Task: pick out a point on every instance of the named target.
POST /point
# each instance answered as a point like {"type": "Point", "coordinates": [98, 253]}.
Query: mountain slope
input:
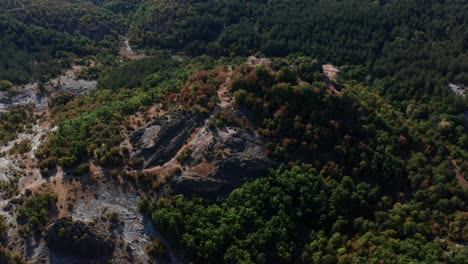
{"type": "Point", "coordinates": [154, 131]}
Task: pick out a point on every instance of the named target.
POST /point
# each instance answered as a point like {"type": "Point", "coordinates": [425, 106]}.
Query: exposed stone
{"type": "Point", "coordinates": [458, 89]}
{"type": "Point", "coordinates": [28, 93]}
{"type": "Point", "coordinates": [234, 155]}
{"type": "Point", "coordinates": [160, 141]}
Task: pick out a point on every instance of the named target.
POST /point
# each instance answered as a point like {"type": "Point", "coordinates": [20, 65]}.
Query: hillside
{"type": "Point", "coordinates": [154, 131]}
{"type": "Point", "coordinates": [421, 43]}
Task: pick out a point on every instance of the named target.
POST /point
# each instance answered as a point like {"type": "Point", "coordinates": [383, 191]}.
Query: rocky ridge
{"type": "Point", "coordinates": [201, 159]}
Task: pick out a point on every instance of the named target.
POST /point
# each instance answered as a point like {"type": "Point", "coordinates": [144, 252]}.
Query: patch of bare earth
{"type": "Point", "coordinates": [127, 52]}
{"type": "Point", "coordinates": [253, 61]}
{"type": "Point", "coordinates": [460, 178]}
{"type": "Point", "coordinates": [142, 118]}
{"type": "Point", "coordinates": [331, 73]}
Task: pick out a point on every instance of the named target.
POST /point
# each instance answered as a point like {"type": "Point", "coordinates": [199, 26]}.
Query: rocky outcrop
{"type": "Point", "coordinates": [221, 160]}
{"type": "Point", "coordinates": [78, 239]}
{"type": "Point", "coordinates": [199, 154]}
{"type": "Point", "coordinates": [24, 95]}
{"type": "Point", "coordinates": [160, 141]}
{"type": "Point", "coordinates": [29, 94]}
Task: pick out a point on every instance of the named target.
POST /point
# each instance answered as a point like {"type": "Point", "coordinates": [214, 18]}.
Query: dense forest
{"type": "Point", "coordinates": [53, 38]}
{"type": "Point", "coordinates": [422, 43]}
{"type": "Point", "coordinates": [368, 191]}
{"type": "Point", "coordinates": [367, 167]}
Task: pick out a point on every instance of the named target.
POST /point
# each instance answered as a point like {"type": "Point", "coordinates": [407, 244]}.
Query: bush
{"type": "Point", "coordinates": [34, 211]}
{"type": "Point", "coordinates": [157, 250]}
{"type": "Point", "coordinates": [83, 169]}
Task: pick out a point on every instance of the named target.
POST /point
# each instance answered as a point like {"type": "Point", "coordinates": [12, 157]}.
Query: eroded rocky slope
{"type": "Point", "coordinates": [96, 216]}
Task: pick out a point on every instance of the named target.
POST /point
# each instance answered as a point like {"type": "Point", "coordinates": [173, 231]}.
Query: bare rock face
{"type": "Point", "coordinates": [210, 161]}
{"type": "Point", "coordinates": [78, 239]}
{"type": "Point", "coordinates": [160, 141]}
{"type": "Point", "coordinates": [221, 160]}
{"type": "Point", "coordinates": [28, 93]}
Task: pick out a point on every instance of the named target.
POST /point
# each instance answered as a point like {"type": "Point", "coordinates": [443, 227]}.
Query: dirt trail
{"type": "Point", "coordinates": [226, 99]}
{"type": "Point", "coordinates": [127, 52]}
{"type": "Point", "coordinates": [461, 180]}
